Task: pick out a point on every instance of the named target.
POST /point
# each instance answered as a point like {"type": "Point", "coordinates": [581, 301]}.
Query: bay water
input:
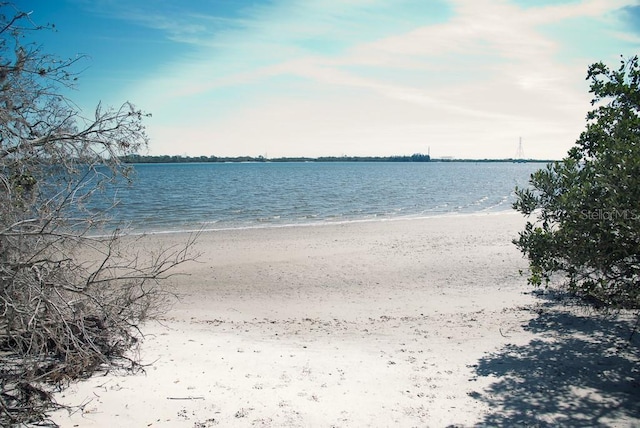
{"type": "Point", "coordinates": [211, 196]}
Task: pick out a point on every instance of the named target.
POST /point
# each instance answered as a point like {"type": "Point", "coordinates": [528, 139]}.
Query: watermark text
{"type": "Point", "coordinates": [609, 214]}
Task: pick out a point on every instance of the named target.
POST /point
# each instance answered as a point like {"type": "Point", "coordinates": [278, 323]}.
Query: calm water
{"type": "Point", "coordinates": [167, 197]}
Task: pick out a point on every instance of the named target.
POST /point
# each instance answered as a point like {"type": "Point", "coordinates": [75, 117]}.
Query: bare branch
{"type": "Point", "coordinates": [71, 300]}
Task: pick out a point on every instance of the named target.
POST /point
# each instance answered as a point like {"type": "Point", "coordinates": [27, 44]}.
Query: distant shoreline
{"type": "Point", "coordinates": [420, 158]}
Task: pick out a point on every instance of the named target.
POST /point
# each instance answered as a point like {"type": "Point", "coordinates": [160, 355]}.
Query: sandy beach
{"type": "Point", "coordinates": [406, 323]}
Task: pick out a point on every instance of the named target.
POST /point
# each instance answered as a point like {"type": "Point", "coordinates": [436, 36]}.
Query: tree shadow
{"type": "Point", "coordinates": [581, 369]}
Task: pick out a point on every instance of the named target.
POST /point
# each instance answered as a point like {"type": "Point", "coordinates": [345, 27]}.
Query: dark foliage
{"type": "Point", "coordinates": [587, 206]}
{"type": "Point", "coordinates": [136, 158]}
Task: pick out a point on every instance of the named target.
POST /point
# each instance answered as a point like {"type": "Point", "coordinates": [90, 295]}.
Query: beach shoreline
{"type": "Point", "coordinates": [382, 323]}
{"type": "Point", "coordinates": [208, 227]}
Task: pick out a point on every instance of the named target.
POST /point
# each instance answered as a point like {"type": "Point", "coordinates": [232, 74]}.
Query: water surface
{"type": "Point", "coordinates": [168, 197]}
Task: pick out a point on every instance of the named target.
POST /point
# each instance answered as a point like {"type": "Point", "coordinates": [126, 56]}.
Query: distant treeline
{"type": "Point", "coordinates": [190, 159]}
{"type": "Point", "coordinates": [418, 157]}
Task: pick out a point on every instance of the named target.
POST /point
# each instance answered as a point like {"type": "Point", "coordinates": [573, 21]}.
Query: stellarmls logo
{"type": "Point", "coordinates": [603, 214]}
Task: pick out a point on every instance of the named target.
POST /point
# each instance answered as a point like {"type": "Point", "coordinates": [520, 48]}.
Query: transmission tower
{"type": "Point", "coordinates": [520, 151]}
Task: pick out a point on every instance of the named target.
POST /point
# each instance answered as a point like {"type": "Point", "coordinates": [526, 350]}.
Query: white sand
{"type": "Point", "coordinates": [389, 323]}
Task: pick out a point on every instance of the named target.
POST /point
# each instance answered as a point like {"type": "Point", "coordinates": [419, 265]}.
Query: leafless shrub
{"type": "Point", "coordinates": [71, 301]}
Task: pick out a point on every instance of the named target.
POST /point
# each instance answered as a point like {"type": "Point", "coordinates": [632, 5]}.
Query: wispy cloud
{"type": "Point", "coordinates": [472, 70]}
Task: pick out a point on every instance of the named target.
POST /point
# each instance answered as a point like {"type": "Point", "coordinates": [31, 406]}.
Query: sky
{"type": "Point", "coordinates": [273, 78]}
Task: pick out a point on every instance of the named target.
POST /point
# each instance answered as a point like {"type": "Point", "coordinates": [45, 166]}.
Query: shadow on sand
{"type": "Point", "coordinates": [580, 370]}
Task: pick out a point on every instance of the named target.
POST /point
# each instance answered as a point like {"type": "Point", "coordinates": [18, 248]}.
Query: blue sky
{"type": "Point", "coordinates": [465, 78]}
